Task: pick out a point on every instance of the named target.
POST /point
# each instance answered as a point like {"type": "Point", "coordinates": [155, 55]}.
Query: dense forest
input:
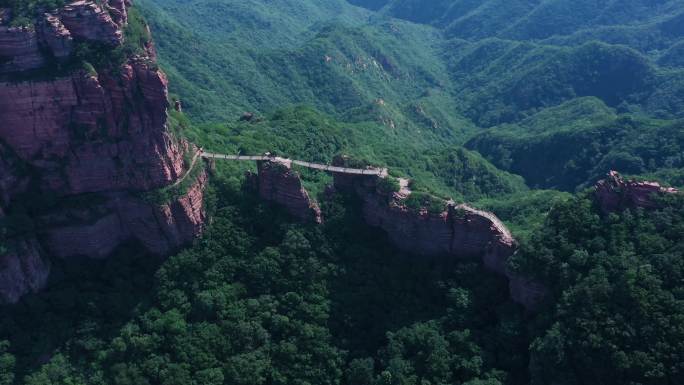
{"type": "Point", "coordinates": [517, 107]}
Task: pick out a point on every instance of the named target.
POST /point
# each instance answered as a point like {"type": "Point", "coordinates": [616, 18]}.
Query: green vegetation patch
{"type": "Point", "coordinates": [262, 300]}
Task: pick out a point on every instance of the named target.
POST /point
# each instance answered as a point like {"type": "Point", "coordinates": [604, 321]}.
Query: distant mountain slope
{"type": "Point", "coordinates": [535, 19]}
{"type": "Point", "coordinates": [274, 55]}
{"type": "Point", "coordinates": [574, 144]}
{"type": "Point", "coordinates": [503, 81]}
{"type": "Point", "coordinates": [430, 77]}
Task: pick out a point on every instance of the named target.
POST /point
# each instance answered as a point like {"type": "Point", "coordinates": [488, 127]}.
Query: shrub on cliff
{"type": "Point", "coordinates": [23, 12]}
{"type": "Point", "coordinates": [7, 362]}
{"type": "Point", "coordinates": [388, 185]}
{"type": "Point", "coordinates": [422, 200]}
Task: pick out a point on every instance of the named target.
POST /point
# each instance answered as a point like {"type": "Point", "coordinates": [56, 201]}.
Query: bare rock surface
{"type": "Point", "coordinates": [87, 20]}
{"type": "Point", "coordinates": [23, 269]}
{"type": "Point", "coordinates": [278, 183]}
{"type": "Point", "coordinates": [19, 50]}
{"type": "Point", "coordinates": [615, 193]}
{"type": "Point", "coordinates": [459, 231]}
{"type": "Point", "coordinates": [100, 140]}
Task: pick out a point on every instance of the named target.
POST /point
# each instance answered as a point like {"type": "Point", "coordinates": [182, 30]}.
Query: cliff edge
{"type": "Point", "coordinates": [416, 223]}
{"type": "Point", "coordinates": [85, 141]}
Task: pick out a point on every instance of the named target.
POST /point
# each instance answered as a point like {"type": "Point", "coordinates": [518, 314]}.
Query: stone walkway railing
{"type": "Point", "coordinates": [495, 220]}
{"type": "Point", "coordinates": [381, 172]}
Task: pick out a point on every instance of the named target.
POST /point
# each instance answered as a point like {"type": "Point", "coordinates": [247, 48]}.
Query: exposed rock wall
{"type": "Point", "coordinates": [615, 193]}
{"type": "Point", "coordinates": [278, 183]}
{"type": "Point", "coordinates": [96, 231]}
{"type": "Point", "coordinates": [23, 269]}
{"type": "Point", "coordinates": [459, 231]}
{"type": "Point", "coordinates": [19, 50]}
{"type": "Point", "coordinates": [52, 37]}
{"type": "Point", "coordinates": [94, 134]}
{"type": "Point", "coordinates": [100, 140]}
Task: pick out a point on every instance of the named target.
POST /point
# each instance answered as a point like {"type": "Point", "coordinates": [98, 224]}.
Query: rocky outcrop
{"type": "Point", "coordinates": [19, 50]}
{"type": "Point", "coordinates": [33, 47]}
{"type": "Point", "coordinates": [56, 37]}
{"type": "Point", "coordinates": [278, 183]}
{"type": "Point", "coordinates": [615, 193]}
{"type": "Point", "coordinates": [98, 230]}
{"type": "Point", "coordinates": [459, 231]}
{"type": "Point", "coordinates": [96, 145]}
{"type": "Point", "coordinates": [23, 269]}
{"type": "Point", "coordinates": [87, 20]}
{"type": "Point", "coordinates": [118, 10]}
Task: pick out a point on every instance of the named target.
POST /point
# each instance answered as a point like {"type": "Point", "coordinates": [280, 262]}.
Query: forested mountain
{"type": "Point", "coordinates": [468, 72]}
{"type": "Point", "coordinates": [518, 107]}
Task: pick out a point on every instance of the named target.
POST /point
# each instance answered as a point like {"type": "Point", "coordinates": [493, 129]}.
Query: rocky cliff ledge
{"type": "Point", "coordinates": [53, 34]}
{"type": "Point", "coordinates": [615, 193]}
{"type": "Point", "coordinates": [459, 231]}
{"type": "Point", "coordinates": [278, 183]}
{"type": "Point", "coordinates": [456, 230]}
{"type": "Point", "coordinates": [81, 149]}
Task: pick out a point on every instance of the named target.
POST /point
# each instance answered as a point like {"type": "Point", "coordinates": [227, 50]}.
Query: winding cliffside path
{"type": "Point", "coordinates": [190, 168]}
{"type": "Point", "coordinates": [495, 221]}
{"type": "Point", "coordinates": [381, 172]}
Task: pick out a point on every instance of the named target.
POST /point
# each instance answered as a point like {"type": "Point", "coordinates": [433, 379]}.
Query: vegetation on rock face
{"type": "Point", "coordinates": [260, 300]}
{"type": "Point", "coordinates": [24, 11]}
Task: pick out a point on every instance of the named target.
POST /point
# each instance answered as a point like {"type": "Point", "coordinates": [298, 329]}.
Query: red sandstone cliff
{"type": "Point", "coordinates": [278, 183]}
{"type": "Point", "coordinates": [459, 231]}
{"type": "Point", "coordinates": [615, 193]}
{"type": "Point", "coordinates": [94, 143]}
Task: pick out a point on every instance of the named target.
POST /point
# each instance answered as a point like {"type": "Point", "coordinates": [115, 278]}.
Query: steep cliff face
{"type": "Point", "coordinates": [23, 269]}
{"type": "Point", "coordinates": [278, 183]}
{"type": "Point", "coordinates": [91, 144]}
{"type": "Point", "coordinates": [52, 36]}
{"type": "Point", "coordinates": [459, 231]}
{"type": "Point", "coordinates": [615, 193]}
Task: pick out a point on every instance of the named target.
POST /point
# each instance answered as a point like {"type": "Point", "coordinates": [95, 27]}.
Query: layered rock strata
{"type": "Point", "coordinates": [52, 36]}
{"type": "Point", "coordinates": [278, 183]}
{"type": "Point", "coordinates": [23, 269]}
{"type": "Point", "coordinates": [459, 231]}
{"type": "Point", "coordinates": [615, 193]}
{"type": "Point", "coordinates": [82, 150]}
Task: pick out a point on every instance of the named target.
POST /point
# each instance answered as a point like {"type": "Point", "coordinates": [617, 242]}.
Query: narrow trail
{"type": "Point", "coordinates": [381, 172]}
{"type": "Point", "coordinates": [495, 220]}
{"type": "Point", "coordinates": [180, 180]}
